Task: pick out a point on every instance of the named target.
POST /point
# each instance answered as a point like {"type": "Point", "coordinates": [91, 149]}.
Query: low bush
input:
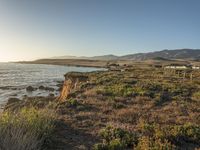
{"type": "Point", "coordinates": [187, 133]}
{"type": "Point", "coordinates": [196, 96]}
{"type": "Point", "coordinates": [148, 143]}
{"type": "Point", "coordinates": [169, 137]}
{"type": "Point", "coordinates": [73, 102]}
{"type": "Point", "coordinates": [116, 90]}
{"type": "Point", "coordinates": [116, 139]}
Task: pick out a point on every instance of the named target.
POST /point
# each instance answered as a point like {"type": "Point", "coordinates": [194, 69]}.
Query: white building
{"type": "Point", "coordinates": [182, 67]}
{"type": "Point", "coordinates": [176, 67]}
{"type": "Point", "coordinates": [195, 67]}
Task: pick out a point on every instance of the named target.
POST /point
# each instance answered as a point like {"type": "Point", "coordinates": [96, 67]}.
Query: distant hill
{"type": "Point", "coordinates": [189, 54]}
{"type": "Point", "coordinates": [103, 57]}
{"type": "Point", "coordinates": [65, 57]}
{"type": "Point", "coordinates": [161, 59]}
{"type": "Point", "coordinates": [165, 54]}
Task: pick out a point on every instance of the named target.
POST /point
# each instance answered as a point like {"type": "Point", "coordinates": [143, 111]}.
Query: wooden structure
{"type": "Point", "coordinates": [181, 73]}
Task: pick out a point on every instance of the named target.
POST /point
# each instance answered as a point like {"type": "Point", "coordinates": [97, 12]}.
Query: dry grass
{"type": "Point", "coordinates": [28, 129]}
{"type": "Point", "coordinates": [140, 101]}
{"type": "Point", "coordinates": [141, 97]}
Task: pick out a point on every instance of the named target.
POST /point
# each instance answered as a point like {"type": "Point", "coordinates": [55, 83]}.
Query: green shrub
{"type": "Point", "coordinates": [149, 143]}
{"type": "Point", "coordinates": [169, 136]}
{"type": "Point", "coordinates": [187, 132]}
{"type": "Point", "coordinates": [181, 92]}
{"type": "Point", "coordinates": [116, 144]}
{"type": "Point", "coordinates": [196, 96]}
{"type": "Point", "coordinates": [100, 146]}
{"type": "Point", "coordinates": [116, 139]}
{"type": "Point", "coordinates": [139, 91]}
{"type": "Point", "coordinates": [116, 90]}
{"type": "Point", "coordinates": [73, 102]}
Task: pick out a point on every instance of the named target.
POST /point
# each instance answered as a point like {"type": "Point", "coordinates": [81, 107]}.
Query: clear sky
{"type": "Point", "coordinates": [31, 29]}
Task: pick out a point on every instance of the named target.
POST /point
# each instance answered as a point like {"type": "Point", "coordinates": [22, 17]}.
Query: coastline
{"type": "Point", "coordinates": [43, 80]}
{"type": "Point", "coordinates": [70, 62]}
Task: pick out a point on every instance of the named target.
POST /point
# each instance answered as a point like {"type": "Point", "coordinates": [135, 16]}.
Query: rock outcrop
{"type": "Point", "coordinates": [30, 89]}
{"type": "Point", "coordinates": [71, 83]}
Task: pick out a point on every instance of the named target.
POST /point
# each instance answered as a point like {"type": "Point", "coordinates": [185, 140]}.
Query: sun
{"type": "Point", "coordinates": [6, 56]}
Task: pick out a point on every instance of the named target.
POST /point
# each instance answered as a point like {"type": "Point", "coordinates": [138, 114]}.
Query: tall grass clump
{"type": "Point", "coordinates": [28, 129]}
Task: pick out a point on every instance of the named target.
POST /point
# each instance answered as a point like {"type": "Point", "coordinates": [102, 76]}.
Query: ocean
{"type": "Point", "coordinates": [15, 77]}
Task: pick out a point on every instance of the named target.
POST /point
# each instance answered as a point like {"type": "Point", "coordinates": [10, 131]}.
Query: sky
{"type": "Point", "coordinates": [32, 29]}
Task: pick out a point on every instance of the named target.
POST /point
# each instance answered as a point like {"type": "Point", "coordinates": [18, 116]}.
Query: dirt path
{"type": "Point", "coordinates": [73, 134]}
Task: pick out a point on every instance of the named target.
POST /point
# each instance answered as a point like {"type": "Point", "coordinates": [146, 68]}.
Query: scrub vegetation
{"type": "Point", "coordinates": [139, 108]}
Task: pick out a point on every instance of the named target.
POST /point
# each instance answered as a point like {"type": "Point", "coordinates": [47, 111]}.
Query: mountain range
{"type": "Point", "coordinates": [189, 54]}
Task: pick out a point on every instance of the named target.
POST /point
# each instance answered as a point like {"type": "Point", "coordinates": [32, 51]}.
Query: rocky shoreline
{"type": "Point", "coordinates": [50, 91]}
{"type": "Point", "coordinates": [64, 88]}
{"type": "Point", "coordinates": [25, 93]}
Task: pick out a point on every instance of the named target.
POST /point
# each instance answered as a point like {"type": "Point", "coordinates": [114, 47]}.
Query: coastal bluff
{"type": "Point", "coordinates": [71, 83]}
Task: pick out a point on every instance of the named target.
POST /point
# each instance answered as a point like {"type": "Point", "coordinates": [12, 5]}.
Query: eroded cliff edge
{"type": "Point", "coordinates": [72, 82]}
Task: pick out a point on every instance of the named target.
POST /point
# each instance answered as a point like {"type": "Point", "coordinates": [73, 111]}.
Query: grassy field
{"type": "Point", "coordinates": [140, 108]}
{"type": "Point", "coordinates": [136, 108]}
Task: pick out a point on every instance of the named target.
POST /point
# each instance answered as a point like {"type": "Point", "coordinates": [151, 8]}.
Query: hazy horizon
{"type": "Point", "coordinates": [37, 29]}
{"type": "Point", "coordinates": [74, 56]}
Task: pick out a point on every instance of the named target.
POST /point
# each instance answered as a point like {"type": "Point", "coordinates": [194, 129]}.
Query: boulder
{"type": "Point", "coordinates": [46, 88]}
{"type": "Point", "coordinates": [49, 89]}
{"type": "Point", "coordinates": [12, 100]}
{"type": "Point", "coordinates": [41, 87]}
{"type": "Point", "coordinates": [51, 95]}
{"type": "Point", "coordinates": [30, 89]}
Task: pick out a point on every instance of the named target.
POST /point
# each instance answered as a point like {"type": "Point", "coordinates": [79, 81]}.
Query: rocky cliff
{"type": "Point", "coordinates": [72, 82]}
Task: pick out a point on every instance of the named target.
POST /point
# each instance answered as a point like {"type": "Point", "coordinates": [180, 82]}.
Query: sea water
{"type": "Point", "coordinates": [15, 77]}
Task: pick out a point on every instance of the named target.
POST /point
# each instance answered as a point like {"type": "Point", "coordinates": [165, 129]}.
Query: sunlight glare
{"type": "Point", "coordinates": [6, 56]}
